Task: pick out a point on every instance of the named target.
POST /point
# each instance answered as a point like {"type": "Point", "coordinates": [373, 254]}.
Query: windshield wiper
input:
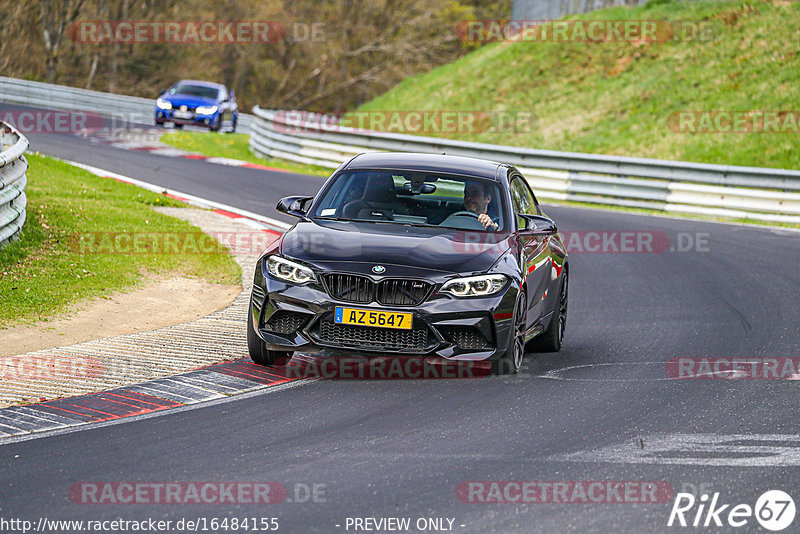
{"type": "Point", "coordinates": [345, 219]}
{"type": "Point", "coordinates": [376, 221]}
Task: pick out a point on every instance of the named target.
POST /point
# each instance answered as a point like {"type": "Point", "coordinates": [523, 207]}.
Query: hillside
{"type": "Point", "coordinates": [625, 98]}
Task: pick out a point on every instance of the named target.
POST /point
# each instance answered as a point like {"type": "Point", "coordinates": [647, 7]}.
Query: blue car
{"type": "Point", "coordinates": [205, 104]}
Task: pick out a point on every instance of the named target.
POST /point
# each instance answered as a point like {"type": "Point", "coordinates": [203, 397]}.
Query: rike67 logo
{"type": "Point", "coordinates": [774, 510]}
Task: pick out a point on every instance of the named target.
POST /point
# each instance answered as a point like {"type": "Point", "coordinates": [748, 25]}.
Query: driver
{"type": "Point", "coordinates": [476, 200]}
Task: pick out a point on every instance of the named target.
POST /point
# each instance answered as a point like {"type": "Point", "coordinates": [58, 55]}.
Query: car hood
{"type": "Point", "coordinates": [357, 247]}
{"type": "Point", "coordinates": [189, 101]}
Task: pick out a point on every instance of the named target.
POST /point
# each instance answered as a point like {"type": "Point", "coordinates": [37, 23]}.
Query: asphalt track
{"type": "Point", "coordinates": [400, 448]}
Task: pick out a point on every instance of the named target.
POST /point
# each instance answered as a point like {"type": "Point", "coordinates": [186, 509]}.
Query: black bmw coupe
{"type": "Point", "coordinates": [413, 255]}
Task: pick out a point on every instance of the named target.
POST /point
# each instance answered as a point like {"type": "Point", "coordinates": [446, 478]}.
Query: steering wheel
{"type": "Point", "coordinates": [464, 213]}
{"type": "Point", "coordinates": [464, 220]}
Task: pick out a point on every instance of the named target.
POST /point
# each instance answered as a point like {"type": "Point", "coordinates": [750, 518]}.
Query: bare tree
{"type": "Point", "coordinates": [55, 16]}
{"type": "Point", "coordinates": [335, 55]}
{"type": "Point", "coordinates": [10, 20]}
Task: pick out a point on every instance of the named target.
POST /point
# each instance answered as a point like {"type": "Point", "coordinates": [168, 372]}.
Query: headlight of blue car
{"type": "Point", "coordinates": [163, 104]}
{"type": "Point", "coordinates": [206, 110]}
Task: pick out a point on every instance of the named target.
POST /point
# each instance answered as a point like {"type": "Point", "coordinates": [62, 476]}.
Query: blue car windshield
{"type": "Point", "coordinates": [190, 89]}
{"type": "Point", "coordinates": [421, 199]}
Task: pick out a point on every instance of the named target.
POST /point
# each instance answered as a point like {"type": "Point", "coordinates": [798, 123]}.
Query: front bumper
{"type": "Point", "coordinates": [196, 119]}
{"type": "Point", "coordinates": [289, 317]}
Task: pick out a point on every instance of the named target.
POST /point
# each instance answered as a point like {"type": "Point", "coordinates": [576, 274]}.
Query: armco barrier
{"type": "Point", "coordinates": [12, 183]}
{"type": "Point", "coordinates": [672, 186]}
{"type": "Point", "coordinates": [50, 96]}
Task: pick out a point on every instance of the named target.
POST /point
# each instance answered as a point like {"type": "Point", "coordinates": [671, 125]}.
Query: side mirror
{"type": "Point", "coordinates": [293, 206]}
{"type": "Point", "coordinates": [538, 225]}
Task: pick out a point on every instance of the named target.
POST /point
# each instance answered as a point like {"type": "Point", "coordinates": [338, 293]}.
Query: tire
{"type": "Point", "coordinates": [552, 339]}
{"type": "Point", "coordinates": [259, 353]}
{"type": "Point", "coordinates": [217, 126]}
{"type": "Point", "coordinates": [233, 126]}
{"type": "Point", "coordinates": [511, 361]}
{"type": "Point", "coordinates": [178, 126]}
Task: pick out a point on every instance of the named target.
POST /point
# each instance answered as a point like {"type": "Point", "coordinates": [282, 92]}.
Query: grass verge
{"type": "Point", "coordinates": [234, 146]}
{"type": "Point", "coordinates": [44, 274]}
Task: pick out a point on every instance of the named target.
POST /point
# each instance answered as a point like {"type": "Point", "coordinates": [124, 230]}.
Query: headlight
{"type": "Point", "coordinates": [289, 270]}
{"type": "Point", "coordinates": [163, 104]}
{"type": "Point", "coordinates": [475, 286]}
{"type": "Point", "coordinates": [206, 110]}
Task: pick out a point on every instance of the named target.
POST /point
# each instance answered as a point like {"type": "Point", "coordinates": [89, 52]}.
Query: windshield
{"type": "Point", "coordinates": [194, 90]}
{"type": "Point", "coordinates": [423, 199]}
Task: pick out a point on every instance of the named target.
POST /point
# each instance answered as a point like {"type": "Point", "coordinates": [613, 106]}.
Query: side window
{"type": "Point", "coordinates": [534, 204]}
{"type": "Point", "coordinates": [516, 203]}
{"type": "Point", "coordinates": [522, 200]}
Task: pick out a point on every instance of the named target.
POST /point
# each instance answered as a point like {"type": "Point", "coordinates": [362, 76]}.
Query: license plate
{"type": "Point", "coordinates": [183, 114]}
{"type": "Point", "coordinates": [379, 319]}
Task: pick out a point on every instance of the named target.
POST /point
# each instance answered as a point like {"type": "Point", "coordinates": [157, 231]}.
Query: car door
{"type": "Point", "coordinates": [535, 260]}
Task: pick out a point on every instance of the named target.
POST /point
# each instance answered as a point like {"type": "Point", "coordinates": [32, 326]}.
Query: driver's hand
{"type": "Point", "coordinates": [487, 221]}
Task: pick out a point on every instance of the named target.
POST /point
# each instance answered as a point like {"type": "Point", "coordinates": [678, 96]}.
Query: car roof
{"type": "Point", "coordinates": [425, 162]}
{"type": "Point", "coordinates": [203, 83]}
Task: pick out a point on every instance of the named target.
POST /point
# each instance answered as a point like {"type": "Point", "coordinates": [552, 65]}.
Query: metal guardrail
{"type": "Point", "coordinates": [130, 109]}
{"type": "Point", "coordinates": [12, 183]}
{"type": "Point", "coordinates": [672, 186]}
{"type": "Point", "coordinates": [555, 9]}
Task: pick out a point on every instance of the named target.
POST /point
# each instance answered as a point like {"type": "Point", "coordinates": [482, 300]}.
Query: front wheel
{"type": "Point", "coordinates": [511, 362]}
{"type": "Point", "coordinates": [259, 353]}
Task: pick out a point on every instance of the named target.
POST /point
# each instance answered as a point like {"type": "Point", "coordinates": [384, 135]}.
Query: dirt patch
{"type": "Point", "coordinates": [160, 303]}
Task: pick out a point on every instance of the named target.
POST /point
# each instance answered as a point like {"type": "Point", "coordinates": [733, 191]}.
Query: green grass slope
{"type": "Point", "coordinates": [617, 97]}
{"type": "Point", "coordinates": [62, 258]}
